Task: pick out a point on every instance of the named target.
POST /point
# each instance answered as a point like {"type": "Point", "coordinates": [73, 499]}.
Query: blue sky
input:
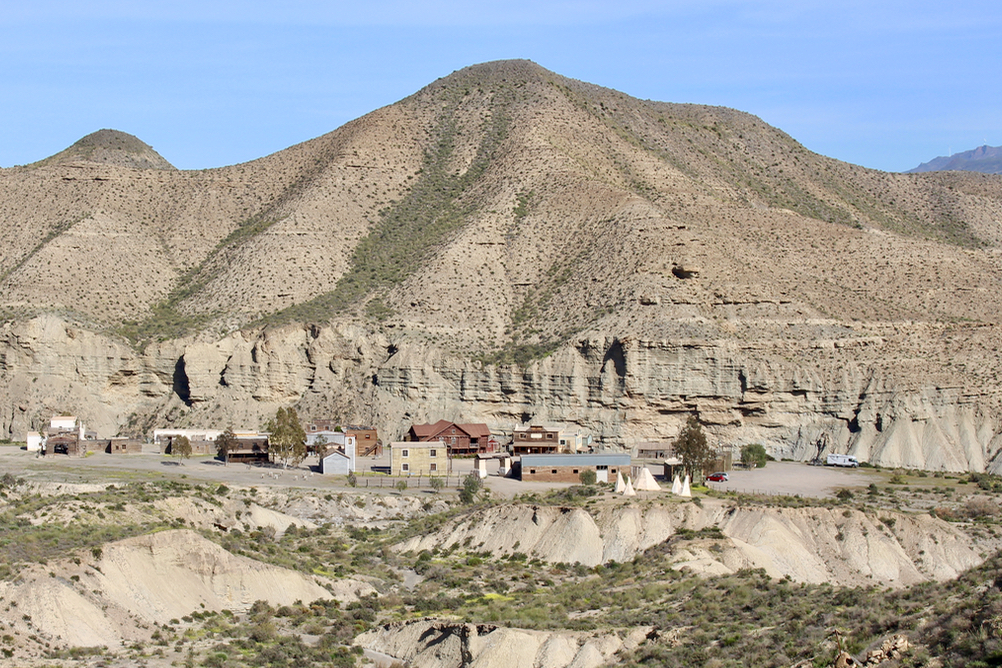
{"type": "Point", "coordinates": [886, 85]}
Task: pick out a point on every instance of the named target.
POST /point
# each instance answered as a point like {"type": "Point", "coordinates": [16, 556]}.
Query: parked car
{"type": "Point", "coordinates": [719, 476]}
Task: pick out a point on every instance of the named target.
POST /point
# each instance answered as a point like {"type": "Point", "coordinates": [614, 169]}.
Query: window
{"type": "Point", "coordinates": [433, 453]}
{"type": "Point", "coordinates": [433, 466]}
{"type": "Point", "coordinates": [532, 471]}
{"type": "Point", "coordinates": [575, 470]}
{"type": "Point", "coordinates": [554, 471]}
{"type": "Point", "coordinates": [405, 453]}
{"type": "Point", "coordinates": [405, 467]}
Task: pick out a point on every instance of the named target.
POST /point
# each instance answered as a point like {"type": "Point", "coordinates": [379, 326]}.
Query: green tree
{"type": "Point", "coordinates": [180, 447]}
{"type": "Point", "coordinates": [753, 455]}
{"type": "Point", "coordinates": [472, 484]}
{"type": "Point", "coordinates": [691, 447]}
{"type": "Point", "coordinates": [588, 477]}
{"type": "Point", "coordinates": [286, 437]}
{"type": "Point", "coordinates": [437, 484]}
{"type": "Point", "coordinates": [401, 485]}
{"type": "Point", "coordinates": [226, 443]}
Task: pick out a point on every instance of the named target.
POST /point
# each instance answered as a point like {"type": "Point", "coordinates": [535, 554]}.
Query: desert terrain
{"type": "Point", "coordinates": [124, 560]}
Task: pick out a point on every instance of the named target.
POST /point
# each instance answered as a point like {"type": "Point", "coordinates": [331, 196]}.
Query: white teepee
{"type": "Point", "coordinates": [676, 485]}
{"type": "Point", "coordinates": [646, 482]}
{"type": "Point", "coordinates": [629, 491]}
{"type": "Point", "coordinates": [620, 485]}
{"type": "Point", "coordinates": [685, 487]}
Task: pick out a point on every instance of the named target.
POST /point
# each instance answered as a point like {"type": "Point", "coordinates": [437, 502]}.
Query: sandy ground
{"type": "Point", "coordinates": [796, 478]}
{"type": "Point", "coordinates": [777, 478]}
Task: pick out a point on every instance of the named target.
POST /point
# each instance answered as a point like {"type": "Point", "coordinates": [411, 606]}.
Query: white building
{"type": "Point", "coordinates": [34, 441]}
{"type": "Point", "coordinates": [63, 423]}
{"type": "Point", "coordinates": [338, 462]}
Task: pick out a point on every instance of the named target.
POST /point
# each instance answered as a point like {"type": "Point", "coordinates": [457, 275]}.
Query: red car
{"type": "Point", "coordinates": [718, 477]}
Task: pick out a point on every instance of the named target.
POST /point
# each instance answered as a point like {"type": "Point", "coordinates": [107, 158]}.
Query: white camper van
{"type": "Point", "coordinates": [842, 460]}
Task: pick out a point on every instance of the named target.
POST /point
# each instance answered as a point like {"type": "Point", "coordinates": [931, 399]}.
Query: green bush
{"type": "Point", "coordinates": [754, 455]}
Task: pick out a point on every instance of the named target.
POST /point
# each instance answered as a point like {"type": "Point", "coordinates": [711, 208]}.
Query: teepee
{"type": "Point", "coordinates": [685, 487]}
{"type": "Point", "coordinates": [629, 491]}
{"type": "Point", "coordinates": [676, 485]}
{"type": "Point", "coordinates": [620, 485]}
{"type": "Point", "coordinates": [646, 482]}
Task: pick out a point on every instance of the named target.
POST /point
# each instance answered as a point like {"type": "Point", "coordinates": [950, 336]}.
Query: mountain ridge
{"type": "Point", "coordinates": [506, 222]}
{"type": "Point", "coordinates": [985, 159]}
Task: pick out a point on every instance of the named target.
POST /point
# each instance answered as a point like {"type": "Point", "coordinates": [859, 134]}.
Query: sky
{"type": "Point", "coordinates": [886, 85]}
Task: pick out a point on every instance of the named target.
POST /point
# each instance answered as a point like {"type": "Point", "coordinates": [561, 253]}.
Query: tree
{"type": "Point", "coordinates": [180, 447]}
{"type": "Point", "coordinates": [588, 477]}
{"type": "Point", "coordinates": [437, 484]}
{"type": "Point", "coordinates": [401, 485]}
{"type": "Point", "coordinates": [226, 443]}
{"type": "Point", "coordinates": [472, 484]}
{"type": "Point", "coordinates": [691, 447]}
{"type": "Point", "coordinates": [753, 455]}
{"type": "Point", "coordinates": [286, 437]}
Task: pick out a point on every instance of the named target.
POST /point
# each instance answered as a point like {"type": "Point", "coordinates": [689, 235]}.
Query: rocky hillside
{"type": "Point", "coordinates": [805, 545]}
{"type": "Point", "coordinates": [508, 245]}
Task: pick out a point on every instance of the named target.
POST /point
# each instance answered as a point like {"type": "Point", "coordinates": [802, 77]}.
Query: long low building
{"type": "Point", "coordinates": [568, 468]}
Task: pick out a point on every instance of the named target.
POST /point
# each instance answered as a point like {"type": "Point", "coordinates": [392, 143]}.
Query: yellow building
{"type": "Point", "coordinates": [410, 458]}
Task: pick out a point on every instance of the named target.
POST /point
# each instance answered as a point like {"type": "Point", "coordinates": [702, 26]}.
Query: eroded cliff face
{"type": "Point", "coordinates": [620, 390]}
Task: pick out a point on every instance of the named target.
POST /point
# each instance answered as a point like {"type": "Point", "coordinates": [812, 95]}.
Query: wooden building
{"type": "Point", "coordinates": [459, 439]}
{"type": "Point", "coordinates": [535, 441]}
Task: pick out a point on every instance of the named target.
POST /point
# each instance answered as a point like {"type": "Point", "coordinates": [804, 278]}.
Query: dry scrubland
{"type": "Point", "coordinates": [155, 569]}
{"type": "Point", "coordinates": [508, 244]}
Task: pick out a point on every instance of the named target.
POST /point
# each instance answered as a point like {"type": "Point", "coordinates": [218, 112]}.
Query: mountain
{"type": "Point", "coordinates": [985, 159]}
{"type": "Point", "coordinates": [111, 147]}
{"type": "Point", "coordinates": [508, 245]}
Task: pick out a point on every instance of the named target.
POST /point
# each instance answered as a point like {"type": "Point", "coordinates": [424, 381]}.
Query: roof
{"type": "Point", "coordinates": [428, 431]}
{"type": "Point", "coordinates": [478, 430]}
{"type": "Point", "coordinates": [620, 459]}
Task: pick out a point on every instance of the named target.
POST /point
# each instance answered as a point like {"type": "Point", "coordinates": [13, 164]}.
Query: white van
{"type": "Point", "coordinates": [842, 460]}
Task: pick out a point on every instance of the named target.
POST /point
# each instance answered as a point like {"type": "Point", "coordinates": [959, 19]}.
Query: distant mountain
{"type": "Point", "coordinates": [111, 147]}
{"type": "Point", "coordinates": [984, 159]}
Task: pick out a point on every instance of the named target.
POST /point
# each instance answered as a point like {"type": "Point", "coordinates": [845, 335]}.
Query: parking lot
{"type": "Point", "coordinates": [795, 479]}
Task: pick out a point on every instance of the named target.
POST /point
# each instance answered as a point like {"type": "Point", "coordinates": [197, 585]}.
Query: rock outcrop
{"type": "Point", "coordinates": [433, 643]}
{"type": "Point", "coordinates": [140, 582]}
{"type": "Point", "coordinates": [844, 547]}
